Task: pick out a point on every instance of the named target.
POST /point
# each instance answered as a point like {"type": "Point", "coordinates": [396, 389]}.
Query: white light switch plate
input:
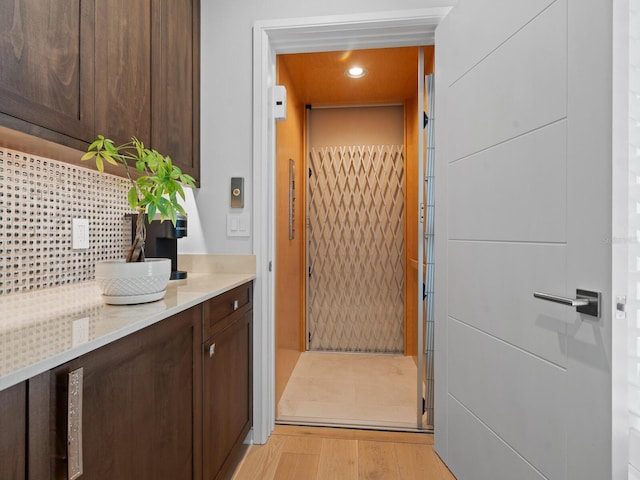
{"type": "Point", "coordinates": [238, 225]}
{"type": "Point", "coordinates": [80, 233]}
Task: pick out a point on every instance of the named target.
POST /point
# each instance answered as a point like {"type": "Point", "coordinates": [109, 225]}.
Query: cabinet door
{"type": "Point", "coordinates": [138, 403]}
{"type": "Point", "coordinates": [13, 435]}
{"type": "Point", "coordinates": [47, 74]}
{"type": "Point", "coordinates": [123, 69]}
{"type": "Point", "coordinates": [176, 82]}
{"type": "Point", "coordinates": [227, 389]}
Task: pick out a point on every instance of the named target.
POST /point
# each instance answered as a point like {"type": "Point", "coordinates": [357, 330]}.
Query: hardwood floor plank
{"type": "Point", "coordinates": [298, 444]}
{"type": "Point", "coordinates": [351, 434]}
{"type": "Point", "coordinates": [295, 466]}
{"type": "Point", "coordinates": [338, 460]}
{"type": "Point", "coordinates": [417, 462]}
{"type": "Point", "coordinates": [377, 461]}
{"type": "Point", "coordinates": [308, 453]}
{"type": "Point", "coordinates": [261, 461]}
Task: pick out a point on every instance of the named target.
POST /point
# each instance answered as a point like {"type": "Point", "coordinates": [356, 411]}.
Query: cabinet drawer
{"type": "Point", "coordinates": [238, 300]}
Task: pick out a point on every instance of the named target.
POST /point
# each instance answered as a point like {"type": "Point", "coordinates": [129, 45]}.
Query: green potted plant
{"type": "Point", "coordinates": [156, 189]}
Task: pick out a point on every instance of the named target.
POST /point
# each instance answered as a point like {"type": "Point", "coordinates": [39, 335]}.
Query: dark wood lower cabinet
{"type": "Point", "coordinates": [158, 404]}
{"type": "Point", "coordinates": [227, 386]}
{"type": "Point", "coordinates": [138, 405]}
{"type": "Point", "coordinates": [13, 432]}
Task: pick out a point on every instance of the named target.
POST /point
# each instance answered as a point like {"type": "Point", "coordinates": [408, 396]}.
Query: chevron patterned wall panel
{"type": "Point", "coordinates": [356, 249]}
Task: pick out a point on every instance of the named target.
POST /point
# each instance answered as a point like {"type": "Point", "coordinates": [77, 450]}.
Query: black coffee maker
{"type": "Point", "coordinates": [162, 240]}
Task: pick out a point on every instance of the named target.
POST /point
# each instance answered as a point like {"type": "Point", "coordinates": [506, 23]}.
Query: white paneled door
{"type": "Point", "coordinates": [523, 386]}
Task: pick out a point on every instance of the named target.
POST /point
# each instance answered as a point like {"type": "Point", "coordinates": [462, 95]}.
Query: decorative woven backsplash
{"type": "Point", "coordinates": [39, 198]}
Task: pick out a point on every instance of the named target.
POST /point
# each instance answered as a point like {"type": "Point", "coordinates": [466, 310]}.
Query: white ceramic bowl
{"type": "Point", "coordinates": [119, 278]}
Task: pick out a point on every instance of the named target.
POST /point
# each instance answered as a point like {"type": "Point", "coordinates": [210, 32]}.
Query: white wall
{"type": "Point", "coordinates": [226, 102]}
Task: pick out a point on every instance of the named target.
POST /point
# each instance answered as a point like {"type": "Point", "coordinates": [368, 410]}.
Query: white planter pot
{"type": "Point", "coordinates": [125, 283]}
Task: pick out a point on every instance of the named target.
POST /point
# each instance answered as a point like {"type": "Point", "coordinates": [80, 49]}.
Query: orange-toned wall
{"type": "Point", "coordinates": [290, 282]}
{"type": "Point", "coordinates": [289, 262]}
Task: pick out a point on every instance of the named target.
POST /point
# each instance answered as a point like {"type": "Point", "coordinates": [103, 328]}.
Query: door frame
{"type": "Point", "coordinates": [384, 29]}
{"type": "Point", "coordinates": [301, 35]}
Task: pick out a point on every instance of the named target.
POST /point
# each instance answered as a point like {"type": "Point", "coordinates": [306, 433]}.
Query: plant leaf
{"type": "Point", "coordinates": [110, 159]}
{"type": "Point", "coordinates": [110, 148]}
{"type": "Point", "coordinates": [188, 180]}
{"type": "Point", "coordinates": [180, 209]}
{"type": "Point", "coordinates": [163, 209]}
{"type": "Point", "coordinates": [132, 197]}
{"type": "Point", "coordinates": [159, 184]}
{"type": "Point", "coordinates": [151, 210]}
{"type": "Point", "coordinates": [180, 190]}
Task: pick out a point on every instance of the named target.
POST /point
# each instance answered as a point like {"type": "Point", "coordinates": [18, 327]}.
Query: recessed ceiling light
{"type": "Point", "coordinates": [355, 72]}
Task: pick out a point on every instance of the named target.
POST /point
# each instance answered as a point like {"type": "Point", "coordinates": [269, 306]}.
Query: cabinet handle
{"type": "Point", "coordinates": [212, 350]}
{"type": "Point", "coordinates": [74, 424]}
{"type": "Point", "coordinates": [235, 304]}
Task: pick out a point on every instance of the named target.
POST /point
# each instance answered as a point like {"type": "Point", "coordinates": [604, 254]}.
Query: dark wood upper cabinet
{"type": "Point", "coordinates": [72, 70]}
{"type": "Point", "coordinates": [176, 82]}
{"type": "Point", "coordinates": [47, 74]}
{"type": "Point", "coordinates": [123, 69]}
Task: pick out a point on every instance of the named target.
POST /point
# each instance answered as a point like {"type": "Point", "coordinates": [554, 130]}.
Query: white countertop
{"type": "Point", "coordinates": [43, 329]}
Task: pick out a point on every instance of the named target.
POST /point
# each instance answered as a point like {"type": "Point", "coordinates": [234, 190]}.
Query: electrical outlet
{"type": "Point", "coordinates": [80, 331]}
{"type": "Point", "coordinates": [80, 233]}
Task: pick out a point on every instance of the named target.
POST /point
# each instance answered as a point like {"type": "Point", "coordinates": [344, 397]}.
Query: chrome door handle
{"type": "Point", "coordinates": [572, 302]}
{"type": "Point", "coordinates": [586, 301]}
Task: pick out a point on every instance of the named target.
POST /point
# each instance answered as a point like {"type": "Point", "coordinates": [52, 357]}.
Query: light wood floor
{"type": "Point", "coordinates": [359, 390]}
{"type": "Point", "coordinates": [310, 453]}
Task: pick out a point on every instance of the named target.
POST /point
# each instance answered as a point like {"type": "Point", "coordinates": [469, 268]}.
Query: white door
{"type": "Point", "coordinates": [523, 197]}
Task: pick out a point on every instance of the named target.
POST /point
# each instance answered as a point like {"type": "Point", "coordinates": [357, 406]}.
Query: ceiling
{"type": "Point", "coordinates": [319, 78]}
